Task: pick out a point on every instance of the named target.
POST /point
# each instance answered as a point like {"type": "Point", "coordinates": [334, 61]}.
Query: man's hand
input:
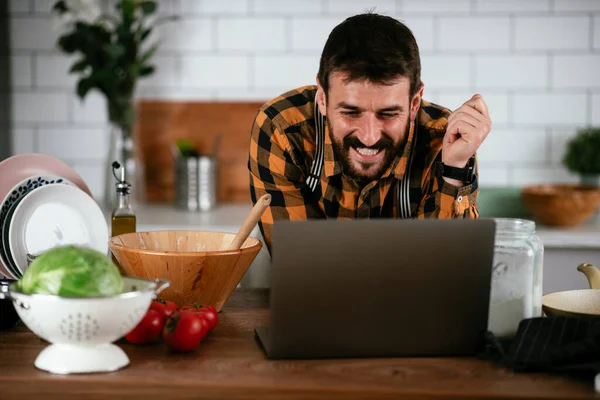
{"type": "Point", "coordinates": [468, 126]}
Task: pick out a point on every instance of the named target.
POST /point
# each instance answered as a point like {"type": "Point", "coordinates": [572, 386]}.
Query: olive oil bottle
{"type": "Point", "coordinates": [123, 217]}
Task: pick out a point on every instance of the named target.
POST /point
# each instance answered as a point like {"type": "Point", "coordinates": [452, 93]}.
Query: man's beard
{"type": "Point", "coordinates": [386, 144]}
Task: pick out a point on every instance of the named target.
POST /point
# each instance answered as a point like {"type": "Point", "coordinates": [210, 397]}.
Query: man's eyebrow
{"type": "Point", "coordinates": [347, 106]}
{"type": "Point", "coordinates": [343, 104]}
{"type": "Point", "coordinates": [391, 108]}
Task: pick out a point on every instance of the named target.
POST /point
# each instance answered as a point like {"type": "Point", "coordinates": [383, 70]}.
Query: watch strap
{"type": "Point", "coordinates": [465, 174]}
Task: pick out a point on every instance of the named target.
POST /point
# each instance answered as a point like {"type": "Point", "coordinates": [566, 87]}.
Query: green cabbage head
{"type": "Point", "coordinates": [72, 271]}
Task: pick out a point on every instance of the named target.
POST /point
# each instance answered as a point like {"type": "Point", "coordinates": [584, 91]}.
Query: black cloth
{"type": "Point", "coordinates": [562, 345]}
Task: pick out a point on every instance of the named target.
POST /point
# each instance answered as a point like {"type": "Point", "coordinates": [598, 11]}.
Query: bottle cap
{"type": "Point", "coordinates": [122, 185]}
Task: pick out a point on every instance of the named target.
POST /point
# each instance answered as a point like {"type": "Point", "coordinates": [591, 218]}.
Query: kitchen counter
{"type": "Point", "coordinates": [229, 364]}
{"type": "Point", "coordinates": [564, 248]}
{"type": "Point", "coordinates": [229, 217]}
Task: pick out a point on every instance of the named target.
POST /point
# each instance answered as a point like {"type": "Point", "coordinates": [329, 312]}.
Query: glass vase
{"type": "Point", "coordinates": [123, 149]}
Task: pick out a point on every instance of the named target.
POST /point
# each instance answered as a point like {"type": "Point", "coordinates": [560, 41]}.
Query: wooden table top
{"type": "Point", "coordinates": [229, 364]}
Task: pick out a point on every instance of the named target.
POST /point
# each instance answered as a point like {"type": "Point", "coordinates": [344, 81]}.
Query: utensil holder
{"type": "Point", "coordinates": [196, 183]}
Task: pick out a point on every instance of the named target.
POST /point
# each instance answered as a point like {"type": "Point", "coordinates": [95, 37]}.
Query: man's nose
{"type": "Point", "coordinates": [370, 130]}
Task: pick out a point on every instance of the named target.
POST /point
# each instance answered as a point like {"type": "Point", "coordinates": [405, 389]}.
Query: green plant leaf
{"type": "Point", "coordinates": [582, 153]}
{"type": "Point", "coordinates": [82, 27]}
{"type": "Point", "coordinates": [148, 7]}
{"type": "Point", "coordinates": [128, 11]}
{"type": "Point", "coordinates": [145, 34]}
{"type": "Point", "coordinates": [70, 43]}
{"type": "Point", "coordinates": [100, 33]}
{"type": "Point", "coordinates": [79, 66]}
{"type": "Point", "coordinates": [83, 87]}
{"type": "Point", "coordinates": [60, 7]}
{"type": "Point", "coordinates": [146, 56]}
{"type": "Point", "coordinates": [114, 50]}
{"type": "Point", "coordinates": [147, 70]}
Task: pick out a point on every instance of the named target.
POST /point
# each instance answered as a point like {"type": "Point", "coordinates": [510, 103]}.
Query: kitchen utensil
{"type": "Point", "coordinates": [196, 180]}
{"type": "Point", "coordinates": [82, 330]}
{"type": "Point", "coordinates": [16, 194]}
{"type": "Point", "coordinates": [21, 166]}
{"type": "Point", "coordinates": [583, 303]}
{"type": "Point", "coordinates": [250, 222]}
{"type": "Point", "coordinates": [52, 216]}
{"type": "Point", "coordinates": [198, 264]}
{"type": "Point", "coordinates": [561, 204]}
{"type": "Point", "coordinates": [7, 311]}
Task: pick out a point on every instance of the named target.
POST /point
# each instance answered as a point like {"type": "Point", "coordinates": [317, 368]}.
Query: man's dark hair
{"type": "Point", "coordinates": [373, 47]}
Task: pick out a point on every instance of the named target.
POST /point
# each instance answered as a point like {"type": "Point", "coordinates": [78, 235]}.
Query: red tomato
{"type": "Point", "coordinates": [208, 312]}
{"type": "Point", "coordinates": [184, 331]}
{"type": "Point", "coordinates": [164, 307]}
{"type": "Point", "coordinates": [147, 330]}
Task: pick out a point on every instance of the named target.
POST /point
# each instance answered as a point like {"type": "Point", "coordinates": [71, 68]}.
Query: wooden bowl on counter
{"type": "Point", "coordinates": [197, 263]}
{"type": "Point", "coordinates": [561, 204]}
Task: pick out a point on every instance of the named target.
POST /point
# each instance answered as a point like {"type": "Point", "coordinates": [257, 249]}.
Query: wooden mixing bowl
{"type": "Point", "coordinates": [561, 204]}
{"type": "Point", "coordinates": [195, 262]}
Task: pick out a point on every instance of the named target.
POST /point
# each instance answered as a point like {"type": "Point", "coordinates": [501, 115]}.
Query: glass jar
{"type": "Point", "coordinates": [516, 287]}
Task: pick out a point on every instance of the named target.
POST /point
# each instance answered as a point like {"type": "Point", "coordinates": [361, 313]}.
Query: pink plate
{"type": "Point", "coordinates": [21, 166]}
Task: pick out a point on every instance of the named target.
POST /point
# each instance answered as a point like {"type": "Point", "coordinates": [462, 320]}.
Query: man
{"type": "Point", "coordinates": [363, 143]}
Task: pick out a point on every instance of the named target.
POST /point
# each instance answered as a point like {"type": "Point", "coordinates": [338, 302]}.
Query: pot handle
{"type": "Point", "coordinates": [161, 284]}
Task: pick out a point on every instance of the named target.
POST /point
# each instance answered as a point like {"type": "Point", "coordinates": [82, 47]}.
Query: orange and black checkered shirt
{"type": "Point", "coordinates": [282, 149]}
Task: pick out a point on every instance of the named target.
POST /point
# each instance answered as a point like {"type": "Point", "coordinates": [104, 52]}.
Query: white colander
{"type": "Point", "coordinates": [82, 330]}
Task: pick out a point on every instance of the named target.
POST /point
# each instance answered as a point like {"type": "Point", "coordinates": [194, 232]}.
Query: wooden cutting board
{"type": "Point", "coordinates": [161, 123]}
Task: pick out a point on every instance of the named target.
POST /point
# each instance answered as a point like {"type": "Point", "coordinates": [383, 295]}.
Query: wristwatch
{"type": "Point", "coordinates": [464, 175]}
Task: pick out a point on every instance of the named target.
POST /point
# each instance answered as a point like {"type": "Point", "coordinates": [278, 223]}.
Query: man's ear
{"type": "Point", "coordinates": [321, 99]}
{"type": "Point", "coordinates": [415, 103]}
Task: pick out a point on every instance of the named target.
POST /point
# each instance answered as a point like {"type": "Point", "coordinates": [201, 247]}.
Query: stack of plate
{"type": "Point", "coordinates": [45, 204]}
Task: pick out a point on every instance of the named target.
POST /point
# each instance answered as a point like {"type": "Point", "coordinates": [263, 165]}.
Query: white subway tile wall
{"type": "Point", "coordinates": [536, 63]}
{"type": "Point", "coordinates": [552, 33]}
{"type": "Point", "coordinates": [459, 33]}
{"type": "Point", "coordinates": [595, 106]}
{"type": "Point", "coordinates": [18, 6]}
{"type": "Point", "coordinates": [596, 37]}
{"type": "Point", "coordinates": [349, 7]}
{"type": "Point", "coordinates": [510, 70]}
{"type": "Point", "coordinates": [21, 71]}
{"type": "Point", "coordinates": [581, 71]}
{"type": "Point", "coordinates": [510, 6]}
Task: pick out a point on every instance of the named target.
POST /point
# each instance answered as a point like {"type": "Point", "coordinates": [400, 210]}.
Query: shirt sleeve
{"type": "Point", "coordinates": [443, 200]}
{"type": "Point", "coordinates": [274, 170]}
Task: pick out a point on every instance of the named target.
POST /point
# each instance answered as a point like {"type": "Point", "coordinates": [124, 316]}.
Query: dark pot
{"type": "Point", "coordinates": [8, 314]}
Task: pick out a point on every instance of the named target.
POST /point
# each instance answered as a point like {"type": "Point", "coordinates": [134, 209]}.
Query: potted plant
{"type": "Point", "coordinates": [111, 59]}
{"type": "Point", "coordinates": [582, 155]}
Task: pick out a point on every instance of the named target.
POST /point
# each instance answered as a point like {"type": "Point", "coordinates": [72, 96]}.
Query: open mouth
{"type": "Point", "coordinates": [366, 153]}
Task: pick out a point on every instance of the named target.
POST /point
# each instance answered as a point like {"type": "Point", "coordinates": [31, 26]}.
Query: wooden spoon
{"type": "Point", "coordinates": [257, 212]}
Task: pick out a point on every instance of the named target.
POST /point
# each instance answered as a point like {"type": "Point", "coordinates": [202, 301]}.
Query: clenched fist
{"type": "Point", "coordinates": [468, 126]}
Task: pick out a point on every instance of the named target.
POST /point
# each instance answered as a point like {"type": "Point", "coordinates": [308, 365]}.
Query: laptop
{"type": "Point", "coordinates": [378, 288]}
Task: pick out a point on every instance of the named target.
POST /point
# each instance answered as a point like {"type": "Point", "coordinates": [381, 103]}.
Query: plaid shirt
{"type": "Point", "coordinates": [282, 149]}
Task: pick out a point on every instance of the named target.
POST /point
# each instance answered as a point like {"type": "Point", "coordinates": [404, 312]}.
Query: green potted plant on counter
{"type": "Point", "coordinates": [582, 155]}
{"type": "Point", "coordinates": [111, 58]}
